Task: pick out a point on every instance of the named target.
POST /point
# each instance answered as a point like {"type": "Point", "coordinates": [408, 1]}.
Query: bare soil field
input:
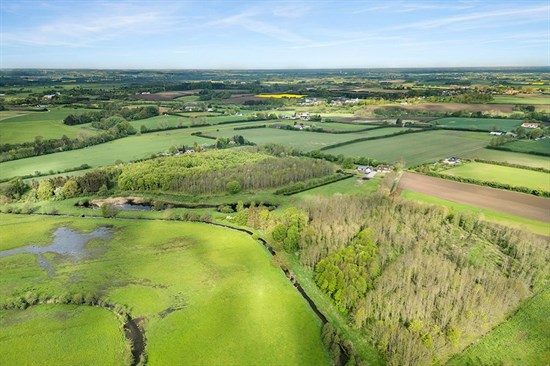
{"type": "Point", "coordinates": [166, 96]}
{"type": "Point", "coordinates": [514, 203]}
{"type": "Point", "coordinates": [241, 98]}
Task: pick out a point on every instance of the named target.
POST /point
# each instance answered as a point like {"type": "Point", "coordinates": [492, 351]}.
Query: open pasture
{"type": "Point", "coordinates": [125, 149]}
{"type": "Point", "coordinates": [502, 174]}
{"type": "Point", "coordinates": [486, 124]}
{"type": "Point", "coordinates": [415, 148]}
{"type": "Point", "coordinates": [62, 335]}
{"type": "Point", "coordinates": [49, 125]}
{"type": "Point", "coordinates": [200, 291]}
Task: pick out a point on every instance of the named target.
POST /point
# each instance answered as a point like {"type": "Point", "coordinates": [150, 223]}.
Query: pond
{"type": "Point", "coordinates": [65, 242]}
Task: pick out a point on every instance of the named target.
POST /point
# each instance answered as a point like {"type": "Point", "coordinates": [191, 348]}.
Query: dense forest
{"type": "Point", "coordinates": [219, 171]}
{"type": "Point", "coordinates": [420, 281]}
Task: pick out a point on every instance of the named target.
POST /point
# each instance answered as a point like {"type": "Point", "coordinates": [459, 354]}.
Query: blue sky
{"type": "Point", "coordinates": [273, 34]}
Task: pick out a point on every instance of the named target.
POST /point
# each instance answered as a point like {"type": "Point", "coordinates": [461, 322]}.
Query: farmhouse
{"type": "Point", "coordinates": [452, 160]}
{"type": "Point", "coordinates": [383, 169]}
{"type": "Point", "coordinates": [370, 175]}
{"type": "Point", "coordinates": [530, 125]}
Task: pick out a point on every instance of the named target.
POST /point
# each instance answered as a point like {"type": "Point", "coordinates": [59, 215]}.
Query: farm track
{"type": "Point", "coordinates": [514, 203]}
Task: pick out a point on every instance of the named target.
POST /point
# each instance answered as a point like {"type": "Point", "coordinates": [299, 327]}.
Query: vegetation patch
{"type": "Point", "coordinates": [482, 124]}
{"type": "Point", "coordinates": [201, 292]}
{"type": "Point", "coordinates": [62, 334]}
{"type": "Point", "coordinates": [520, 340]}
{"type": "Point", "coordinates": [501, 175]}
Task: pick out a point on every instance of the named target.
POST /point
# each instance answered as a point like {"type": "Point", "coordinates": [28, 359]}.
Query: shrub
{"type": "Point", "coordinates": [233, 187]}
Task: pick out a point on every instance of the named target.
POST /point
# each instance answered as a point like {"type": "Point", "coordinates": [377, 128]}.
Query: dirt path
{"type": "Point", "coordinates": [514, 203]}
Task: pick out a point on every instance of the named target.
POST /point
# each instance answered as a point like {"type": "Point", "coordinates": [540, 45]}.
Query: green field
{"type": "Point", "coordinates": [487, 124]}
{"type": "Point", "coordinates": [62, 335]}
{"type": "Point", "coordinates": [351, 185]}
{"type": "Point", "coordinates": [533, 100]}
{"type": "Point", "coordinates": [125, 149]}
{"type": "Point", "coordinates": [202, 292]}
{"type": "Point", "coordinates": [302, 140]}
{"type": "Point", "coordinates": [537, 227]}
{"type": "Point", "coordinates": [416, 148]}
{"type": "Point", "coordinates": [49, 125]}
{"type": "Point", "coordinates": [502, 174]}
{"type": "Point", "coordinates": [527, 146]}
{"type": "Point", "coordinates": [521, 340]}
{"type": "Point", "coordinates": [511, 157]}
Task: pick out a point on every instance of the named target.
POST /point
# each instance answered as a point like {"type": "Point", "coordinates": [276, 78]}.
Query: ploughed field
{"type": "Point", "coordinates": [514, 203]}
{"type": "Point", "coordinates": [199, 292]}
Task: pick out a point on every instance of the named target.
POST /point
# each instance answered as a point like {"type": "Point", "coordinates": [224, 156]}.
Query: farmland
{"type": "Point", "coordinates": [532, 100]}
{"type": "Point", "coordinates": [199, 273]}
{"type": "Point", "coordinates": [512, 203]}
{"type": "Point", "coordinates": [485, 124]}
{"type": "Point", "coordinates": [534, 226]}
{"type": "Point", "coordinates": [49, 125]}
{"type": "Point", "coordinates": [522, 339]}
{"type": "Point", "coordinates": [502, 174]}
{"type": "Point", "coordinates": [415, 148]}
{"type": "Point", "coordinates": [126, 149]}
{"type": "Point", "coordinates": [74, 335]}
{"type": "Point", "coordinates": [541, 146]}
{"type": "Point", "coordinates": [223, 253]}
{"type": "Point", "coordinates": [510, 157]}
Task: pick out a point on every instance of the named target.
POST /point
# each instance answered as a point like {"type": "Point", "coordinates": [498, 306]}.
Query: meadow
{"type": "Point", "coordinates": [415, 148]}
{"type": "Point", "coordinates": [201, 292]}
{"type": "Point", "coordinates": [541, 146]}
{"type": "Point", "coordinates": [62, 335]}
{"type": "Point", "coordinates": [485, 124]}
{"type": "Point", "coordinates": [521, 340]}
{"type": "Point", "coordinates": [49, 125]}
{"type": "Point", "coordinates": [502, 174]}
{"type": "Point", "coordinates": [125, 149]}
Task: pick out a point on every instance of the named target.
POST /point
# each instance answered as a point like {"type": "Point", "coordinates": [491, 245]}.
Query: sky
{"type": "Point", "coordinates": [234, 34]}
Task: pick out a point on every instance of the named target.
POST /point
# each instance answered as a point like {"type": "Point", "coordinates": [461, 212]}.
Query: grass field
{"type": "Point", "coordinates": [502, 174]}
{"type": "Point", "coordinates": [49, 125]}
{"type": "Point", "coordinates": [203, 292]}
{"type": "Point", "coordinates": [525, 146]}
{"type": "Point", "coordinates": [533, 100]}
{"type": "Point", "coordinates": [521, 340]}
{"type": "Point", "coordinates": [126, 149]}
{"type": "Point", "coordinates": [415, 148]}
{"type": "Point", "coordinates": [347, 186]}
{"type": "Point", "coordinates": [487, 124]}
{"type": "Point", "coordinates": [534, 226]}
{"type": "Point", "coordinates": [62, 335]}
{"type": "Point", "coordinates": [511, 157]}
{"type": "Point", "coordinates": [302, 140]}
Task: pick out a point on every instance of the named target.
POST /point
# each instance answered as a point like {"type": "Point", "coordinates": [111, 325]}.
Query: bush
{"type": "Point", "coordinates": [108, 210]}
{"type": "Point", "coordinates": [233, 187]}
